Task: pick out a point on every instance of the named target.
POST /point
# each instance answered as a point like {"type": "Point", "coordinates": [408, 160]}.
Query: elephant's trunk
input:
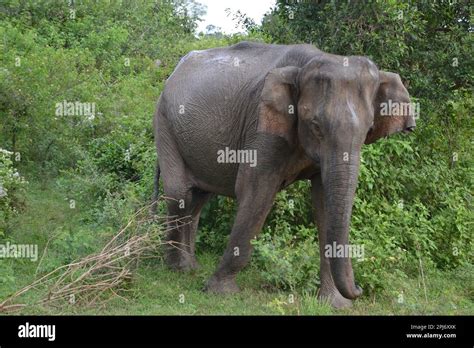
{"type": "Point", "coordinates": [339, 175]}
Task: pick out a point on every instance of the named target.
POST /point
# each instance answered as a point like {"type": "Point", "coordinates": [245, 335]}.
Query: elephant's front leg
{"type": "Point", "coordinates": [255, 195]}
{"type": "Point", "coordinates": [328, 291]}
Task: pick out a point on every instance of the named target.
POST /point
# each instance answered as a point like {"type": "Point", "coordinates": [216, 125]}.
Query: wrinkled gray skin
{"type": "Point", "coordinates": [241, 97]}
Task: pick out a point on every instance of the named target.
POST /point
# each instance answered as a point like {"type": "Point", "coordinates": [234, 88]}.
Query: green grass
{"type": "Point", "coordinates": [155, 290]}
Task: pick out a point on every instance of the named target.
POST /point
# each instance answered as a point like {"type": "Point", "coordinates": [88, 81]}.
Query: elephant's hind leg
{"type": "Point", "coordinates": [183, 199]}
{"type": "Point", "coordinates": [183, 220]}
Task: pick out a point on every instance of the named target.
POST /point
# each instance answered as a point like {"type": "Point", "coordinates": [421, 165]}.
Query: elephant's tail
{"type": "Point", "coordinates": [156, 190]}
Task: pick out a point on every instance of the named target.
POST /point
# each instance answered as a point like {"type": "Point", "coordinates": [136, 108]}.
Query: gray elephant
{"type": "Point", "coordinates": [248, 120]}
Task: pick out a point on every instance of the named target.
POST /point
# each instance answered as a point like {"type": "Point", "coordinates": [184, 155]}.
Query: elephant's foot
{"type": "Point", "coordinates": [333, 297]}
{"type": "Point", "coordinates": [181, 261]}
{"type": "Point", "coordinates": [184, 266]}
{"type": "Point", "coordinates": [222, 286]}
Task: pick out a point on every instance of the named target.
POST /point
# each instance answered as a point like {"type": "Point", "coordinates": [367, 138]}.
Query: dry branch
{"type": "Point", "coordinates": [95, 278]}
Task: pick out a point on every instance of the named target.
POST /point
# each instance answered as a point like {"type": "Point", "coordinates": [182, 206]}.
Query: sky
{"type": "Point", "coordinates": [217, 16]}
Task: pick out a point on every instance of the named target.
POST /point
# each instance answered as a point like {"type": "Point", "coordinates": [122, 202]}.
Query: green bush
{"type": "Point", "coordinates": [288, 257]}
{"type": "Point", "coordinates": [69, 245]}
{"type": "Point", "coordinates": [215, 224]}
{"type": "Point", "coordinates": [11, 186]}
{"type": "Point", "coordinates": [7, 276]}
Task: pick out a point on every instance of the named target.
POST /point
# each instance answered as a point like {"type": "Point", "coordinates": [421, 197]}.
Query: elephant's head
{"type": "Point", "coordinates": [342, 103]}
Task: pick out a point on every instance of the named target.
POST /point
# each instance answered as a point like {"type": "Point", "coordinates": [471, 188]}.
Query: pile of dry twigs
{"type": "Point", "coordinates": [92, 280]}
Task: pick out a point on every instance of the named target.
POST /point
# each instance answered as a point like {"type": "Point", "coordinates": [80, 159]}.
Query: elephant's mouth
{"type": "Point", "coordinates": [406, 130]}
{"type": "Point", "coordinates": [409, 129]}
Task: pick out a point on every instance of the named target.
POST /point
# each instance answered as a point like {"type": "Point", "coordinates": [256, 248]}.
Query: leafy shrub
{"type": "Point", "coordinates": [215, 224]}
{"type": "Point", "coordinates": [288, 258]}
{"type": "Point", "coordinates": [11, 186]}
{"type": "Point", "coordinates": [69, 245]}
{"type": "Point", "coordinates": [7, 277]}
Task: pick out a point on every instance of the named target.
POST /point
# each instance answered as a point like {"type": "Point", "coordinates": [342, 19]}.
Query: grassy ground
{"type": "Point", "coordinates": [156, 290]}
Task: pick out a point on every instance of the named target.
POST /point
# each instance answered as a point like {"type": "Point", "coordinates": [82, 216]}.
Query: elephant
{"type": "Point", "coordinates": [246, 121]}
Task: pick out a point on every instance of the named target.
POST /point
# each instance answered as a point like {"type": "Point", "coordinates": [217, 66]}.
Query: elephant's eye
{"type": "Point", "coordinates": [316, 127]}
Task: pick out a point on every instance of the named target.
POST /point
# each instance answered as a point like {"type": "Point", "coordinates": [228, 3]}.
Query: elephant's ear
{"type": "Point", "coordinates": [277, 108]}
{"type": "Point", "coordinates": [393, 111]}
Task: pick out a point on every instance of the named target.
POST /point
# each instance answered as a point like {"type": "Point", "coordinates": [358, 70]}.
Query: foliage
{"type": "Point", "coordinates": [288, 257]}
{"type": "Point", "coordinates": [11, 185]}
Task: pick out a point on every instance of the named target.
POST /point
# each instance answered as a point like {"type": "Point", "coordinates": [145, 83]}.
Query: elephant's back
{"type": "Point", "coordinates": [218, 85]}
{"type": "Point", "coordinates": [214, 93]}
{"type": "Point", "coordinates": [211, 102]}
